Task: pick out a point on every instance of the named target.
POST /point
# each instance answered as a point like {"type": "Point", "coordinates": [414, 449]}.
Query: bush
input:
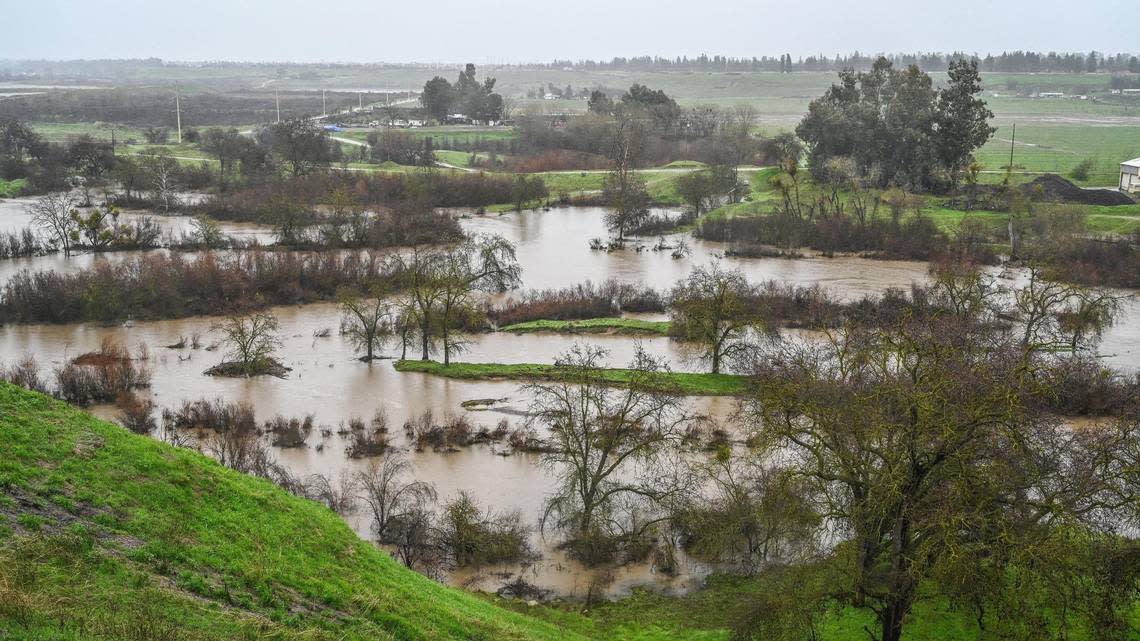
{"type": "Point", "coordinates": [25, 373]}
{"type": "Point", "coordinates": [136, 414]}
{"type": "Point", "coordinates": [217, 415]}
{"type": "Point", "coordinates": [100, 376]}
{"type": "Point", "coordinates": [578, 302]}
{"type": "Point", "coordinates": [170, 286]}
{"type": "Point", "coordinates": [472, 537]}
{"type": "Point", "coordinates": [1081, 171]}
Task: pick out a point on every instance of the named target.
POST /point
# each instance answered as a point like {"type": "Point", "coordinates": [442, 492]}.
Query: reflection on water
{"type": "Point", "coordinates": [330, 383]}
{"type": "Point", "coordinates": [553, 250]}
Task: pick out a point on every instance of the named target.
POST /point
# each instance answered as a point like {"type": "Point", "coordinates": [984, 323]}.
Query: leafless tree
{"type": "Point", "coordinates": [252, 340]}
{"type": "Point", "coordinates": [390, 495]}
{"type": "Point", "coordinates": [604, 442]}
{"type": "Point", "coordinates": [55, 214]}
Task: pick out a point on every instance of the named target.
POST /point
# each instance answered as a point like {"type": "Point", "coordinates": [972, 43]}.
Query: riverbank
{"type": "Point", "coordinates": [166, 543]}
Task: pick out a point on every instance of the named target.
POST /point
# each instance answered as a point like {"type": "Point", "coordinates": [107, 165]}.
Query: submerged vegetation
{"type": "Point", "coordinates": [953, 460]}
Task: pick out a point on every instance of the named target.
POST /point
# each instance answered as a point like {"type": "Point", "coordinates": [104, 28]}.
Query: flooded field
{"type": "Point", "coordinates": [328, 381]}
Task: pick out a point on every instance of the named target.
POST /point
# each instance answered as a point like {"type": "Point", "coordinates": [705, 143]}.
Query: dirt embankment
{"type": "Point", "coordinates": [1055, 189]}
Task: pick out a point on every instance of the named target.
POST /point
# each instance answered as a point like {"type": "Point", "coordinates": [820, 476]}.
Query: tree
{"type": "Point", "coordinates": [156, 135]}
{"type": "Point", "coordinates": [898, 129]}
{"type": "Point", "coordinates": [92, 159]}
{"type": "Point", "coordinates": [251, 340]}
{"type": "Point", "coordinates": [598, 434]}
{"type": "Point", "coordinates": [299, 143]}
{"type": "Point", "coordinates": [963, 118]}
{"type": "Point", "coordinates": [228, 146]}
{"type": "Point", "coordinates": [1056, 315]}
{"type": "Point", "coordinates": [696, 189]}
{"type": "Point", "coordinates": [54, 214]}
{"type": "Point", "coordinates": [390, 497]}
{"type": "Point", "coordinates": [480, 264]}
{"type": "Point", "coordinates": [161, 171]}
{"type": "Point", "coordinates": [440, 285]}
{"type": "Point", "coordinates": [367, 321]}
{"type": "Point", "coordinates": [600, 103]}
{"type": "Point", "coordinates": [701, 188]}
{"type": "Point", "coordinates": [624, 189]}
{"type": "Point", "coordinates": [923, 443]}
{"type": "Point", "coordinates": [437, 98]}
{"type": "Point", "coordinates": [712, 308]}
{"type": "Point", "coordinates": [18, 144]}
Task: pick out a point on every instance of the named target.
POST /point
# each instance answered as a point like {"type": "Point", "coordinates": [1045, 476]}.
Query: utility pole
{"type": "Point", "coordinates": [324, 109]}
{"type": "Point", "coordinates": [359, 101]}
{"type": "Point", "coordinates": [277, 99]}
{"type": "Point", "coordinates": [178, 112]}
{"type": "Point", "coordinates": [1012, 140]}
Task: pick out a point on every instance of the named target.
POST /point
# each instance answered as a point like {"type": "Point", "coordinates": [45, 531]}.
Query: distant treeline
{"type": "Point", "coordinates": [1011, 62]}
{"type": "Point", "coordinates": [1008, 61]}
{"type": "Point", "coordinates": [155, 107]}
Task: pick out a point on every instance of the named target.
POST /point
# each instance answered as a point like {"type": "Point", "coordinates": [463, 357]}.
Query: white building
{"type": "Point", "coordinates": [1130, 176]}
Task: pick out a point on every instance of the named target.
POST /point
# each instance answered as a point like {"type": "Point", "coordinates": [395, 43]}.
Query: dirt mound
{"type": "Point", "coordinates": [1055, 189]}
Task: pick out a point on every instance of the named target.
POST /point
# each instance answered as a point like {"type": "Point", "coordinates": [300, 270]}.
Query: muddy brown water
{"type": "Point", "coordinates": [327, 381]}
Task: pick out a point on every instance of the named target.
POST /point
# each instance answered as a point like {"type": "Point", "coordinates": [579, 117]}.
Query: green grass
{"type": "Point", "coordinates": [1057, 149]}
{"type": "Point", "coordinates": [591, 325]}
{"type": "Point", "coordinates": [12, 188]}
{"type": "Point", "coordinates": [109, 535]}
{"type": "Point", "coordinates": [683, 382]}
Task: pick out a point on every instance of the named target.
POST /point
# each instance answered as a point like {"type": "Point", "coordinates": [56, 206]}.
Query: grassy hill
{"type": "Point", "coordinates": [109, 535]}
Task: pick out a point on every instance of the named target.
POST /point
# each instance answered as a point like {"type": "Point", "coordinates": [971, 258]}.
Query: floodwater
{"type": "Point", "coordinates": [15, 217]}
{"type": "Point", "coordinates": [329, 382]}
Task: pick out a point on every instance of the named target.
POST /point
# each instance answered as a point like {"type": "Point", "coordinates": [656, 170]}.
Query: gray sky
{"type": "Point", "coordinates": [533, 30]}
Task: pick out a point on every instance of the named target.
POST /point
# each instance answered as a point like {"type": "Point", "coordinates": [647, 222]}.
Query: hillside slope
{"type": "Point", "coordinates": [109, 535]}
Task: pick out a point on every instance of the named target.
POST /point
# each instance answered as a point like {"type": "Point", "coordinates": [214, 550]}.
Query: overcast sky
{"type": "Point", "coordinates": [533, 30]}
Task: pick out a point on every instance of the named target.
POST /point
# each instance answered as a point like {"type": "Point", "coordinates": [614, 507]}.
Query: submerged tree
{"type": "Point", "coordinates": [604, 442]}
{"type": "Point", "coordinates": [367, 322]}
{"type": "Point", "coordinates": [252, 341]}
{"type": "Point", "coordinates": [715, 309]}
{"type": "Point", "coordinates": [441, 285]}
{"type": "Point", "coordinates": [391, 496]}
{"type": "Point", "coordinates": [624, 189]}
{"type": "Point", "coordinates": [55, 215]}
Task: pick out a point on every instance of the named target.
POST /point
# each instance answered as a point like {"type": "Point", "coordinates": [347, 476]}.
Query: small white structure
{"type": "Point", "coordinates": [1130, 176]}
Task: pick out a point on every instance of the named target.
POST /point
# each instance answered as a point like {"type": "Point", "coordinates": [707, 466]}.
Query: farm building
{"type": "Point", "coordinates": [1130, 176]}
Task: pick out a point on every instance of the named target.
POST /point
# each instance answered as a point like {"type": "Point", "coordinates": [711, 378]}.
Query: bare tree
{"type": "Point", "coordinates": [391, 496]}
{"type": "Point", "coordinates": [56, 215]}
{"type": "Point", "coordinates": [481, 264]}
{"type": "Point", "coordinates": [604, 441]}
{"type": "Point", "coordinates": [624, 189]}
{"type": "Point", "coordinates": [1061, 315]}
{"type": "Point", "coordinates": [252, 341]}
{"type": "Point", "coordinates": [161, 171]}
{"type": "Point", "coordinates": [712, 308]}
{"type": "Point", "coordinates": [367, 322]}
{"type": "Point", "coordinates": [441, 285]}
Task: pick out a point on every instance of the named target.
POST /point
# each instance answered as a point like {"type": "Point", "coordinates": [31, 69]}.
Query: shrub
{"type": "Point", "coordinates": [585, 300]}
{"type": "Point", "coordinates": [135, 413]}
{"type": "Point", "coordinates": [289, 432]}
{"type": "Point", "coordinates": [25, 373]}
{"type": "Point", "coordinates": [217, 415]}
{"type": "Point", "coordinates": [170, 286]}
{"type": "Point", "coordinates": [100, 376]}
{"type": "Point", "coordinates": [473, 537]}
{"type": "Point", "coordinates": [1080, 172]}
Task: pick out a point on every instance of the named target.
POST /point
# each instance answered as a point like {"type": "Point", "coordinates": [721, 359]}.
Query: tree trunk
{"type": "Point", "coordinates": [891, 621]}
{"type": "Point", "coordinates": [446, 347]}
